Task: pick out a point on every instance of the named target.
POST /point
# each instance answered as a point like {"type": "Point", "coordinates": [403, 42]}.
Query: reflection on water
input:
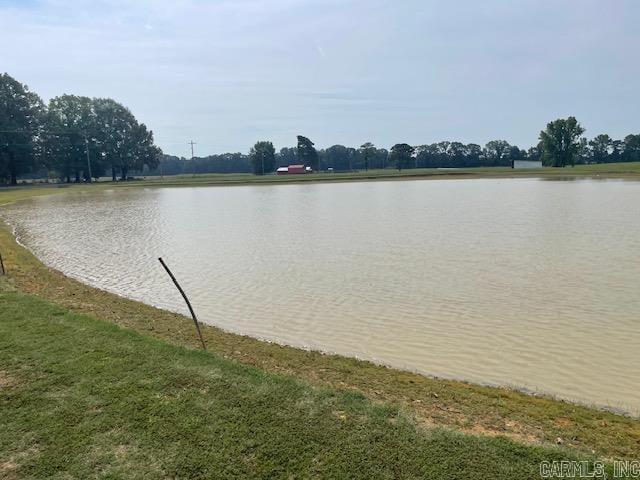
{"type": "Point", "coordinates": [515, 282]}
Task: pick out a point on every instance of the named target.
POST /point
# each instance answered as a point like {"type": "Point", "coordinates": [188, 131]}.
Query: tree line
{"type": "Point", "coordinates": [561, 144]}
{"type": "Point", "coordinates": [79, 138]}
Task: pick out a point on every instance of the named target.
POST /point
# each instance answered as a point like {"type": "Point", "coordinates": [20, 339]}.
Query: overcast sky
{"type": "Point", "coordinates": [228, 73]}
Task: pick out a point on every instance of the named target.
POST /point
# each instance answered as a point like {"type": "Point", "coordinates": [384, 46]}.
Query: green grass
{"type": "Point", "coordinates": [81, 398]}
{"type": "Point", "coordinates": [610, 169]}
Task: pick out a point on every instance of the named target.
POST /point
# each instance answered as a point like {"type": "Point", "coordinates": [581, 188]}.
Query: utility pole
{"type": "Point", "coordinates": [192, 143]}
{"type": "Point", "coordinates": [263, 163]}
{"type": "Point", "coordinates": [86, 150]}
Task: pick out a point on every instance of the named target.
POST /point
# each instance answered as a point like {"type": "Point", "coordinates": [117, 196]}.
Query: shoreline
{"type": "Point", "coordinates": [603, 171]}
{"type": "Point", "coordinates": [524, 416]}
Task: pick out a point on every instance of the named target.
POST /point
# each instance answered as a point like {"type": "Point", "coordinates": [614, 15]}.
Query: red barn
{"type": "Point", "coordinates": [293, 170]}
{"type": "Point", "coordinates": [296, 169]}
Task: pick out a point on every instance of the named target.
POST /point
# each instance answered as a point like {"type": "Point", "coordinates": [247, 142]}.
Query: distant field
{"type": "Point", "coordinates": [610, 170]}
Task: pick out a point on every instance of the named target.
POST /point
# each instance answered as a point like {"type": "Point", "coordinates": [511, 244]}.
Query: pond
{"type": "Point", "coordinates": [527, 283]}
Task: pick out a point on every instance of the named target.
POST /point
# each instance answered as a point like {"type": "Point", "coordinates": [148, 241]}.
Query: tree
{"type": "Point", "coordinates": [456, 154]}
{"type": "Point", "coordinates": [104, 130]}
{"type": "Point", "coordinates": [115, 127]}
{"type": "Point", "coordinates": [368, 152]}
{"type": "Point", "coordinates": [631, 151]}
{"type": "Point", "coordinates": [307, 154]}
{"type": "Point", "coordinates": [402, 155]}
{"type": "Point", "coordinates": [473, 155]}
{"type": "Point", "coordinates": [600, 148]}
{"type": "Point", "coordinates": [497, 153]}
{"type": "Point", "coordinates": [337, 157]}
{"type": "Point", "coordinates": [560, 142]}
{"type": "Point", "coordinates": [142, 150]}
{"type": "Point", "coordinates": [287, 156]}
{"type": "Point", "coordinates": [535, 153]}
{"type": "Point", "coordinates": [425, 155]}
{"type": "Point", "coordinates": [353, 158]}
{"type": "Point", "coordinates": [516, 154]}
{"type": "Point", "coordinates": [583, 154]}
{"type": "Point", "coordinates": [441, 151]}
{"type": "Point", "coordinates": [21, 115]}
{"type": "Point", "coordinates": [381, 158]}
{"type": "Point", "coordinates": [617, 150]}
{"type": "Point", "coordinates": [70, 125]}
{"type": "Point", "coordinates": [262, 157]}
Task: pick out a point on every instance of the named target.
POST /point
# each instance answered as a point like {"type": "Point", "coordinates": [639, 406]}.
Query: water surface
{"type": "Point", "coordinates": [526, 283]}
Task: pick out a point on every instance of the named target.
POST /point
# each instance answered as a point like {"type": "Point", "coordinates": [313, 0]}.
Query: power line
{"type": "Point", "coordinates": [192, 143]}
{"type": "Point", "coordinates": [49, 132]}
{"type": "Point", "coordinates": [53, 132]}
{"type": "Point", "coordinates": [59, 132]}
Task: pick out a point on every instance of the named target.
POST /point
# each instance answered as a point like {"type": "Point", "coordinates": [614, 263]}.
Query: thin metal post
{"type": "Point", "coordinates": [195, 319]}
{"type": "Point", "coordinates": [86, 150]}
{"type": "Point", "coordinates": [192, 143]}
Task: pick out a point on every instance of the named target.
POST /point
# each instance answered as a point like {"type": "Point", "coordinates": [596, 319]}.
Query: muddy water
{"type": "Point", "coordinates": [526, 283]}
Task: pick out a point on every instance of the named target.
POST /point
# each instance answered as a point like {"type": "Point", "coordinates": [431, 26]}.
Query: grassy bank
{"type": "Point", "coordinates": [613, 170]}
{"type": "Point", "coordinates": [425, 403]}
{"type": "Point", "coordinates": [608, 170]}
{"type": "Point", "coordinates": [85, 399]}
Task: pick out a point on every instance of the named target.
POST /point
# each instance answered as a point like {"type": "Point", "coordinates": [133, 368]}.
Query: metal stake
{"type": "Point", "coordinates": [195, 319]}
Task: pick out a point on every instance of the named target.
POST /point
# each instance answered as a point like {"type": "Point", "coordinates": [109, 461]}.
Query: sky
{"type": "Point", "coordinates": [227, 73]}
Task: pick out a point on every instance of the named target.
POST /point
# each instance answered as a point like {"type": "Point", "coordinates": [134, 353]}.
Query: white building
{"type": "Point", "coordinates": [527, 164]}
